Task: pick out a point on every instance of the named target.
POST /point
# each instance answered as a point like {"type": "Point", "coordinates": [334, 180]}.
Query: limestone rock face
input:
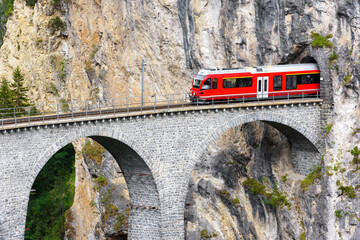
{"type": "Point", "coordinates": [40, 55]}
{"type": "Point", "coordinates": [98, 55]}
{"type": "Point", "coordinates": [100, 208]}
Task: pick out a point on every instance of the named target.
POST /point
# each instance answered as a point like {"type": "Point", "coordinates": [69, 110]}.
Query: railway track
{"type": "Point", "coordinates": [47, 118]}
{"type": "Point", "coordinates": [85, 114]}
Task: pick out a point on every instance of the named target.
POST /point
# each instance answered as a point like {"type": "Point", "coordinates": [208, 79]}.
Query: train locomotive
{"type": "Point", "coordinates": [256, 83]}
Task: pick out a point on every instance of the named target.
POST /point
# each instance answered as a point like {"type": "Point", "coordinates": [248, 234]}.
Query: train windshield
{"type": "Point", "coordinates": [197, 81]}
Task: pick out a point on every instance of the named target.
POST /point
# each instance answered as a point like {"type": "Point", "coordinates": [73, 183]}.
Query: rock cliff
{"type": "Point", "coordinates": [96, 53]}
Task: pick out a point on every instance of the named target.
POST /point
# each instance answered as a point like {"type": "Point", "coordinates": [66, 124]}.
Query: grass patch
{"type": "Point", "coordinates": [330, 170]}
{"type": "Point", "coordinates": [64, 105]}
{"type": "Point", "coordinates": [355, 131]}
{"type": "Point", "coordinates": [309, 179]}
{"type": "Point", "coordinates": [302, 236]}
{"type": "Point", "coordinates": [347, 79]}
{"type": "Point", "coordinates": [327, 128]}
{"type": "Point", "coordinates": [93, 150]}
{"type": "Point", "coordinates": [101, 181]}
{"type": "Point", "coordinates": [122, 220]}
{"type": "Point", "coordinates": [333, 57]}
{"type": "Point", "coordinates": [284, 178]}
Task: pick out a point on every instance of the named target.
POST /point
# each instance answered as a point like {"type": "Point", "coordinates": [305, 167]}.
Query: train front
{"type": "Point", "coordinates": [194, 91]}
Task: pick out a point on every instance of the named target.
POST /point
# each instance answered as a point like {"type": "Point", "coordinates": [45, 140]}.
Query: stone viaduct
{"type": "Point", "coordinates": [163, 146]}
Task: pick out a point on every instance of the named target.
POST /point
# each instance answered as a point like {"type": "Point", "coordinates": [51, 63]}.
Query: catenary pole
{"type": "Point", "coordinates": [142, 82]}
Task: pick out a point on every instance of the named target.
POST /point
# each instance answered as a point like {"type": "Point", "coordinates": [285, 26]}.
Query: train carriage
{"type": "Point", "coordinates": [250, 83]}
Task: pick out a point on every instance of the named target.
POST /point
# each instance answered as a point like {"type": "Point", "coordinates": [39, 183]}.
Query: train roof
{"type": "Point", "coordinates": [261, 69]}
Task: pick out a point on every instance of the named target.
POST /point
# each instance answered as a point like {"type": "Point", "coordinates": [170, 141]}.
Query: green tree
{"type": "Point", "coordinates": [6, 8]}
{"type": "Point", "coordinates": [5, 94]}
{"type": "Point", "coordinates": [31, 2]}
{"type": "Point", "coordinates": [19, 91]}
{"type": "Point", "coordinates": [53, 195]}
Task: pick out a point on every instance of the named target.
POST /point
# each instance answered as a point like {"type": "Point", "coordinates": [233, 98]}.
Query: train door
{"type": "Point", "coordinates": [262, 87]}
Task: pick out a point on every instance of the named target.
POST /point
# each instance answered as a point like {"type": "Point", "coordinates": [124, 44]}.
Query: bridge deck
{"type": "Point", "coordinates": [107, 114]}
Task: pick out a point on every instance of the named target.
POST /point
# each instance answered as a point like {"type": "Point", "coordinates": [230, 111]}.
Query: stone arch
{"type": "Point", "coordinates": [302, 137]}
{"type": "Point", "coordinates": [286, 125]}
{"type": "Point", "coordinates": [145, 207]}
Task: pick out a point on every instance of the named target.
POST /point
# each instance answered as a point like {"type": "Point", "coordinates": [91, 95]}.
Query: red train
{"type": "Point", "coordinates": [250, 83]}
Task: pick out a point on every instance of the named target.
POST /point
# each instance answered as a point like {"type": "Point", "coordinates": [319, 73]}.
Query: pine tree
{"type": "Point", "coordinates": [19, 91]}
{"type": "Point", "coordinates": [5, 94]}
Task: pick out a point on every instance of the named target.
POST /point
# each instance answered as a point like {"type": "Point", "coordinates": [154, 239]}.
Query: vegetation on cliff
{"type": "Point", "coordinates": [14, 94]}
{"type": "Point", "coordinates": [52, 196]}
{"type": "Point", "coordinates": [274, 197]}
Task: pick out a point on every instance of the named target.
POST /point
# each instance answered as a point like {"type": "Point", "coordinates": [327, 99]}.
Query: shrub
{"type": "Point", "coordinates": [56, 4]}
{"type": "Point", "coordinates": [277, 199]}
{"type": "Point", "coordinates": [204, 234]}
{"type": "Point", "coordinates": [225, 194]}
{"type": "Point", "coordinates": [338, 213]}
{"type": "Point", "coordinates": [235, 201]}
{"type": "Point", "coordinates": [321, 41]}
{"type": "Point", "coordinates": [31, 3]}
{"type": "Point", "coordinates": [347, 191]}
{"type": "Point", "coordinates": [56, 24]}
{"type": "Point", "coordinates": [355, 152]}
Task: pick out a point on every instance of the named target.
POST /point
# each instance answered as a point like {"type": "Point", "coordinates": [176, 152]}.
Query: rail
{"type": "Point", "coordinates": [91, 108]}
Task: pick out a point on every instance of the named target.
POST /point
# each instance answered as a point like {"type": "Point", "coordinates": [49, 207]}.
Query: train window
{"type": "Point", "coordinates": [308, 78]}
{"type": "Point", "coordinates": [277, 83]}
{"type": "Point", "coordinates": [197, 83]}
{"type": "Point", "coordinates": [214, 83]}
{"type": "Point", "coordinates": [237, 82]}
{"type": "Point", "coordinates": [206, 85]}
{"type": "Point", "coordinates": [291, 81]}
{"type": "Point", "coordinates": [265, 85]}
